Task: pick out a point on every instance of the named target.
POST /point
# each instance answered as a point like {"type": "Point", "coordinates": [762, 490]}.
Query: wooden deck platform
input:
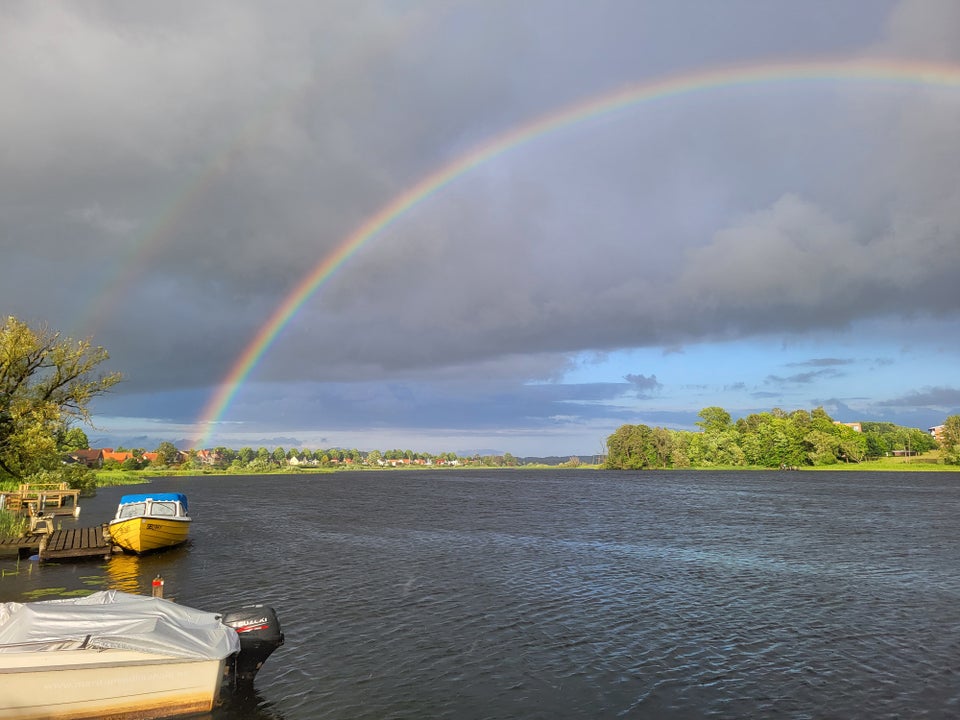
{"type": "Point", "coordinates": [71, 544]}
{"type": "Point", "coordinates": [47, 498]}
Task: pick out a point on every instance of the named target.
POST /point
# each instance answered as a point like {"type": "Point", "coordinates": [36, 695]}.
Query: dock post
{"type": "Point", "coordinates": [158, 586]}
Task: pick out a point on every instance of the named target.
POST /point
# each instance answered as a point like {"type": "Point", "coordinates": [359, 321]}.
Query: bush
{"type": "Point", "coordinates": [78, 477]}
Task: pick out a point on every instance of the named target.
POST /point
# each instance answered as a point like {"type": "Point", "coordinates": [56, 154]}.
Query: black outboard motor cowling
{"type": "Point", "coordinates": [259, 631]}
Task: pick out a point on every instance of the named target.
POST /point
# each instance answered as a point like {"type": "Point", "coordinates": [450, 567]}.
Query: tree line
{"type": "Point", "coordinates": [775, 439]}
{"type": "Point", "coordinates": [262, 459]}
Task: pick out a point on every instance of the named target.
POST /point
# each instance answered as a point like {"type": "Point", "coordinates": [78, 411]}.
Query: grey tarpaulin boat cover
{"type": "Point", "coordinates": [114, 619]}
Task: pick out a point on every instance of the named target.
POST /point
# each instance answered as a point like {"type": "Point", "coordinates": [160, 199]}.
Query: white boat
{"type": "Point", "coordinates": [117, 655]}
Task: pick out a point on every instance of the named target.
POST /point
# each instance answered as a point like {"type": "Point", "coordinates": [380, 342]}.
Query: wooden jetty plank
{"type": "Point", "coordinates": [21, 546]}
{"type": "Point", "coordinates": [76, 543]}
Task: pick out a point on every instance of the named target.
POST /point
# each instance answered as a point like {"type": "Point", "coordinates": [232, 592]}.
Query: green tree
{"type": "Point", "coordinates": [822, 447]}
{"type": "Point", "coordinates": [661, 440]}
{"type": "Point", "coordinates": [74, 439]}
{"type": "Point", "coordinates": [714, 419]}
{"type": "Point", "coordinates": [167, 453]}
{"type": "Point", "coordinates": [719, 443]}
{"type": "Point", "coordinates": [631, 448]}
{"type": "Point", "coordinates": [950, 440]}
{"type": "Point", "coordinates": [46, 381]}
{"type": "Point", "coordinates": [770, 440]}
{"type": "Point", "coordinates": [852, 444]}
{"type": "Point", "coordinates": [279, 456]}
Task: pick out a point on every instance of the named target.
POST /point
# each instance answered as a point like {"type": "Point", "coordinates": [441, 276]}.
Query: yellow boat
{"type": "Point", "coordinates": [150, 521]}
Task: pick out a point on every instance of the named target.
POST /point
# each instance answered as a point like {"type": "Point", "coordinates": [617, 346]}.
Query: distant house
{"type": "Point", "coordinates": [209, 457]}
{"type": "Point", "coordinates": [118, 455]}
{"type": "Point", "coordinates": [937, 432]}
{"type": "Point", "coordinates": [90, 458]}
{"type": "Point", "coordinates": [855, 426]}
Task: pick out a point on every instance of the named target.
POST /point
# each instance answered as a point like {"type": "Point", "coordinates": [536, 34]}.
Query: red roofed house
{"type": "Point", "coordinates": [90, 458]}
{"type": "Point", "coordinates": [119, 456]}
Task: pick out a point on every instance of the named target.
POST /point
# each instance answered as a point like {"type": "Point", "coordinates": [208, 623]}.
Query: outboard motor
{"type": "Point", "coordinates": [259, 631]}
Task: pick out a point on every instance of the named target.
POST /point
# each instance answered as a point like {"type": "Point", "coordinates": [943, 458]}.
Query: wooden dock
{"type": "Point", "coordinates": [71, 544]}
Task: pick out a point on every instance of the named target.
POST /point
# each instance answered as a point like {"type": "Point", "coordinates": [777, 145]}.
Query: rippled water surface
{"type": "Point", "coordinates": [571, 594]}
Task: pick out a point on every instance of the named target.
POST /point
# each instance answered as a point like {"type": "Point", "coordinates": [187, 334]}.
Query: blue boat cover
{"type": "Point", "coordinates": [142, 497]}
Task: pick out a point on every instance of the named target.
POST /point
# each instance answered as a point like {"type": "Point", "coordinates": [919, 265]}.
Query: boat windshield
{"type": "Point", "coordinates": [133, 510]}
{"type": "Point", "coordinates": [165, 509]}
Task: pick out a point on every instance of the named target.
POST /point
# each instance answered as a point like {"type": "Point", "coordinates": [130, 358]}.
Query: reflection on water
{"type": "Point", "coordinates": [123, 573]}
{"type": "Point", "coordinates": [135, 573]}
{"type": "Point", "coordinates": [246, 704]}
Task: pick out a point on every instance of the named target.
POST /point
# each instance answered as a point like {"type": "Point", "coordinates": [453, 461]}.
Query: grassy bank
{"type": "Point", "coordinates": [928, 462]}
{"type": "Point", "coordinates": [107, 478]}
{"type": "Point", "coordinates": [924, 463]}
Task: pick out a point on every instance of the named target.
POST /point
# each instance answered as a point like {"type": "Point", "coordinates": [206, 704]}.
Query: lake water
{"type": "Point", "coordinates": [571, 594]}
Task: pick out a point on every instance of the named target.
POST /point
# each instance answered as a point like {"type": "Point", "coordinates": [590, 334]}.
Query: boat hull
{"type": "Point", "coordinates": [116, 684]}
{"type": "Point", "coordinates": [146, 534]}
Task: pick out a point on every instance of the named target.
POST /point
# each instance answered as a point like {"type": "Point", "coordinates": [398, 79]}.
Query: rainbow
{"type": "Point", "coordinates": [135, 259]}
{"type": "Point", "coordinates": [896, 72]}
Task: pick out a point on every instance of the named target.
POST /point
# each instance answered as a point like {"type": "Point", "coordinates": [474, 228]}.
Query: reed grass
{"type": "Point", "coordinates": [11, 524]}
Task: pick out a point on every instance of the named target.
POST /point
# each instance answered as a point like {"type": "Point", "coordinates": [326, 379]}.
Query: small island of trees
{"type": "Point", "coordinates": [775, 439]}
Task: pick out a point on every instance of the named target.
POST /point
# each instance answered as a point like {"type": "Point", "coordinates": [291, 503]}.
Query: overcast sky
{"type": "Point", "coordinates": [171, 172]}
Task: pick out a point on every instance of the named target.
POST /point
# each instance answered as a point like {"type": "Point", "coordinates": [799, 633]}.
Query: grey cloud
{"type": "Point", "coordinates": [822, 362]}
{"type": "Point", "coordinates": [928, 28]}
{"type": "Point", "coordinates": [801, 378]}
{"type": "Point", "coordinates": [935, 397]}
{"type": "Point", "coordinates": [643, 384]}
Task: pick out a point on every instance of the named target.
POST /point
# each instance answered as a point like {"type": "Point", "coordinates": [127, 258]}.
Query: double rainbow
{"type": "Point", "coordinates": [888, 72]}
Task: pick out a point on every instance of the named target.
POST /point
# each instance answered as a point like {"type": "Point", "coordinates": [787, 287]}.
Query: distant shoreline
{"type": "Point", "coordinates": [106, 478]}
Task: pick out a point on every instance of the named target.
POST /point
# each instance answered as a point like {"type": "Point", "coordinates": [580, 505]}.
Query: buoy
{"type": "Point", "coordinates": [158, 586]}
